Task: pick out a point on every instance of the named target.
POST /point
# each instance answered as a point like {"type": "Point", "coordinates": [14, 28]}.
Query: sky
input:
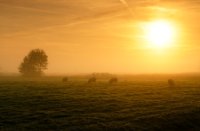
{"type": "Point", "coordinates": [86, 36]}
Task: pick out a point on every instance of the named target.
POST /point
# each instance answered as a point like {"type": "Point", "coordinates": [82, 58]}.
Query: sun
{"type": "Point", "coordinates": [159, 34]}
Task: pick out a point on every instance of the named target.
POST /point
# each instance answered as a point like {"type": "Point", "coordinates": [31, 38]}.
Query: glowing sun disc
{"type": "Point", "coordinates": [159, 33]}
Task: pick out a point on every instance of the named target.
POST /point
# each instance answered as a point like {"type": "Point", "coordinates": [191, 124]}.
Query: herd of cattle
{"type": "Point", "coordinates": [93, 79]}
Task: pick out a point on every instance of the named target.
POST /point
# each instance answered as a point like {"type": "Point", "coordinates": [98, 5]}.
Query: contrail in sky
{"type": "Point", "coordinates": [127, 5]}
{"type": "Point", "coordinates": [124, 2]}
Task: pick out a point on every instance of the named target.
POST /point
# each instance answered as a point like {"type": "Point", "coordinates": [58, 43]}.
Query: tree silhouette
{"type": "Point", "coordinates": [34, 63]}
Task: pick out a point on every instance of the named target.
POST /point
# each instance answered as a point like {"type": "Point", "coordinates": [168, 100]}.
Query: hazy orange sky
{"type": "Point", "coordinates": [85, 36]}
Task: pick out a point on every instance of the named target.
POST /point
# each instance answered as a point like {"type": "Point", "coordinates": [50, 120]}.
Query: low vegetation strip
{"type": "Point", "coordinates": [77, 105]}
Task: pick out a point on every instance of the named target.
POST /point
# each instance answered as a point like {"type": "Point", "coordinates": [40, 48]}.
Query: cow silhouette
{"type": "Point", "coordinates": [92, 80]}
{"type": "Point", "coordinates": [65, 79]}
{"type": "Point", "coordinates": [171, 82]}
{"type": "Point", "coordinates": [113, 80]}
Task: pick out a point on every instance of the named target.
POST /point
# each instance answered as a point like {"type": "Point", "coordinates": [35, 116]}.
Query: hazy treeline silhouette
{"type": "Point", "coordinates": [34, 63]}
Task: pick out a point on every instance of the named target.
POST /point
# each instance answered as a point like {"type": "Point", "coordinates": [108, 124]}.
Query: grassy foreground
{"type": "Point", "coordinates": [131, 104]}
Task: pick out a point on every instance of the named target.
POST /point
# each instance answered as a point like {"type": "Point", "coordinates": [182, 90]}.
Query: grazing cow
{"type": "Point", "coordinates": [65, 79]}
{"type": "Point", "coordinates": [113, 80]}
{"type": "Point", "coordinates": [171, 82]}
{"type": "Point", "coordinates": [92, 80]}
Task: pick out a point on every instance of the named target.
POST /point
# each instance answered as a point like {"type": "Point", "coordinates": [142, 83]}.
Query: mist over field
{"type": "Point", "coordinates": [141, 102]}
{"type": "Point", "coordinates": [98, 65]}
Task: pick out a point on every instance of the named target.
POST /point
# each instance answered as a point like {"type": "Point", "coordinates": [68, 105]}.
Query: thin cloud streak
{"type": "Point", "coordinates": [124, 2]}
{"type": "Point", "coordinates": [75, 21]}
{"type": "Point", "coordinates": [28, 8]}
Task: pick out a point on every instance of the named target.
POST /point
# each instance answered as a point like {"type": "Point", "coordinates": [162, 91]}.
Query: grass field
{"type": "Point", "coordinates": [134, 103]}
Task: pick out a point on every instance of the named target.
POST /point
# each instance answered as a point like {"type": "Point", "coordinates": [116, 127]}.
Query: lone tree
{"type": "Point", "coordinates": [34, 63]}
